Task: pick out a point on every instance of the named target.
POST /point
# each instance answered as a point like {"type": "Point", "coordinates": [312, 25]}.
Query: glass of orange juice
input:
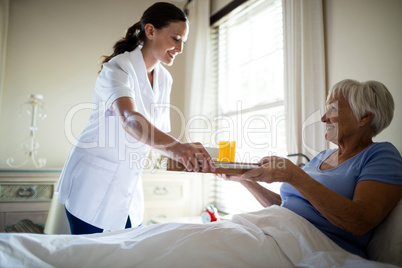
{"type": "Point", "coordinates": [227, 151]}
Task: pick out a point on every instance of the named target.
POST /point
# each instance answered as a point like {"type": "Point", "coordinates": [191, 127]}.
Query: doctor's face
{"type": "Point", "coordinates": [169, 41]}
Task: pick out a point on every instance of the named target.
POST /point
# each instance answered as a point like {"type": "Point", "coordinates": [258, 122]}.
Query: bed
{"type": "Point", "coordinates": [271, 237]}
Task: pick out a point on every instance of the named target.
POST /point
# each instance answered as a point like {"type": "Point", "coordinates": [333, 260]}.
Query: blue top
{"type": "Point", "coordinates": [379, 162]}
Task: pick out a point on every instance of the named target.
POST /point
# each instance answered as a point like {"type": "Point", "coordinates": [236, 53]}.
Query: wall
{"type": "Point", "coordinates": [364, 42]}
{"type": "Point", "coordinates": [53, 49]}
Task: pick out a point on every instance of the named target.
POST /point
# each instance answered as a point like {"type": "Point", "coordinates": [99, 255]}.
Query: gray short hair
{"type": "Point", "coordinates": [367, 97]}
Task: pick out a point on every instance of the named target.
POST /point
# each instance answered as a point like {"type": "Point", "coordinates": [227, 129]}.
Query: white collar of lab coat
{"type": "Point", "coordinates": [142, 76]}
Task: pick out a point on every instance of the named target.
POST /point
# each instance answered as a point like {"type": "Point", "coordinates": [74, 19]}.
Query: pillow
{"type": "Point", "coordinates": [385, 244]}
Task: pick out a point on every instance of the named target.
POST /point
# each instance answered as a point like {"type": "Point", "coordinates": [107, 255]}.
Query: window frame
{"type": "Point", "coordinates": [233, 8]}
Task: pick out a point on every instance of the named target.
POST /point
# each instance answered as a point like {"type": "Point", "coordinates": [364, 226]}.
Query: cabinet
{"type": "Point", "coordinates": [26, 194]}
{"type": "Point", "coordinates": [172, 194]}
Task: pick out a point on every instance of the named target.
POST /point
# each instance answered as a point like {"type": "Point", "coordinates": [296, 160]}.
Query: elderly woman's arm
{"type": "Point", "coordinates": [371, 202]}
{"type": "Point", "coordinates": [264, 196]}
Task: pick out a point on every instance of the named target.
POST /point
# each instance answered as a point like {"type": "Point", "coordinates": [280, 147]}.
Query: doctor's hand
{"type": "Point", "coordinates": [193, 156]}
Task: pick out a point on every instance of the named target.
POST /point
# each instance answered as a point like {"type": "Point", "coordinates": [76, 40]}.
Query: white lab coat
{"type": "Point", "coordinates": [101, 180]}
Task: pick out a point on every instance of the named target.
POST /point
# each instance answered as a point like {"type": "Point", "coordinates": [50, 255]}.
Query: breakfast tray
{"type": "Point", "coordinates": [230, 168]}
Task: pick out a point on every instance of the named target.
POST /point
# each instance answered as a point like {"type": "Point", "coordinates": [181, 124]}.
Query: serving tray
{"type": "Point", "coordinates": [221, 167]}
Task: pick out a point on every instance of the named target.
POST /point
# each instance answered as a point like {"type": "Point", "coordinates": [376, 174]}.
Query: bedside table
{"type": "Point", "coordinates": [170, 194]}
{"type": "Point", "coordinates": [26, 194]}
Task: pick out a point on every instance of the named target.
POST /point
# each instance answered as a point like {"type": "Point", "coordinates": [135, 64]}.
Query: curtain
{"type": "Point", "coordinates": [305, 83]}
{"type": "Point", "coordinates": [199, 106]}
{"type": "Point", "coordinates": [4, 7]}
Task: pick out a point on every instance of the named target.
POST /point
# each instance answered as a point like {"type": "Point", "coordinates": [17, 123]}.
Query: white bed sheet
{"type": "Point", "coordinates": [272, 237]}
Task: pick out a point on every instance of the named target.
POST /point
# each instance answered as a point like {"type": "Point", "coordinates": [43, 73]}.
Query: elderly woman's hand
{"type": "Point", "coordinates": [272, 169]}
{"type": "Point", "coordinates": [227, 177]}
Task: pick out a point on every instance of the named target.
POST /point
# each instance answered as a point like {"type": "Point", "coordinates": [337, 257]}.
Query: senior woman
{"type": "Point", "coordinates": [347, 191]}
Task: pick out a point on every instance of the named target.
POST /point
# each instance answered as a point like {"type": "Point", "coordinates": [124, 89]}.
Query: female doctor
{"type": "Point", "coordinates": [100, 184]}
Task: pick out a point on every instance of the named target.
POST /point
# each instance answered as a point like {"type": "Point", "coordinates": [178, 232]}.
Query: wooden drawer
{"type": "Point", "coordinates": [9, 219]}
{"type": "Point", "coordinates": [163, 190]}
{"type": "Point", "coordinates": [162, 213]}
{"type": "Point", "coordinates": [37, 217]}
{"type": "Point", "coordinates": [15, 211]}
{"type": "Point", "coordinates": [26, 192]}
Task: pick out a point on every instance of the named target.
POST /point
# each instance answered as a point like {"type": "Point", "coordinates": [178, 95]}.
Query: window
{"type": "Point", "coordinates": [248, 82]}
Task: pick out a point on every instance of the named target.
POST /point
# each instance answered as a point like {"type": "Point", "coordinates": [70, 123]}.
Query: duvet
{"type": "Point", "coordinates": [272, 237]}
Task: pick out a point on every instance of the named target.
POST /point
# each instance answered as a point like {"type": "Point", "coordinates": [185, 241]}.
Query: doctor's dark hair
{"type": "Point", "coordinates": [160, 15]}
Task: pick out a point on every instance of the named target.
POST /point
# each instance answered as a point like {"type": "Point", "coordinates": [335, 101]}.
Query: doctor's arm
{"type": "Point", "coordinates": [192, 155]}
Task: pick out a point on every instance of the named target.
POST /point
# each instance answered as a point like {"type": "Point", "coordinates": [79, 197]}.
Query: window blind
{"type": "Point", "coordinates": [247, 83]}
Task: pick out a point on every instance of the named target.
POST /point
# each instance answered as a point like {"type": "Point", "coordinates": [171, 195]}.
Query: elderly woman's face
{"type": "Point", "coordinates": [340, 123]}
